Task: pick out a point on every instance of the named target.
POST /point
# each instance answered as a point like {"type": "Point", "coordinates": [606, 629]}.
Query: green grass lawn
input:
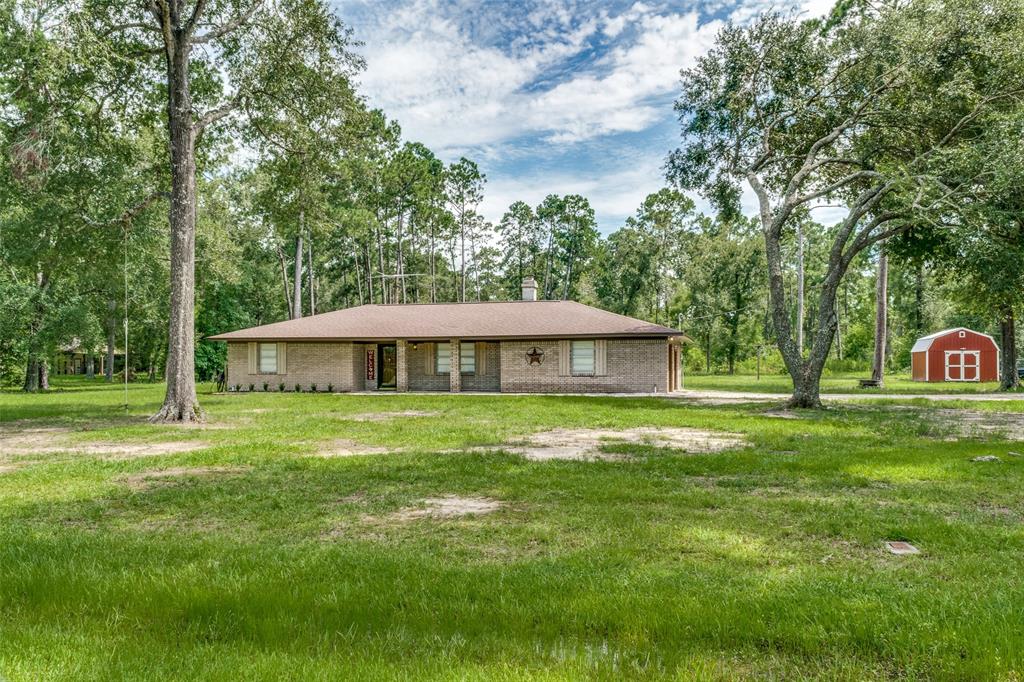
{"type": "Point", "coordinates": [765, 561]}
{"type": "Point", "coordinates": [830, 383]}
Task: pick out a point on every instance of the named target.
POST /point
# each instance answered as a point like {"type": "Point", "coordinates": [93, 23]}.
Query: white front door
{"type": "Point", "coordinates": [963, 365]}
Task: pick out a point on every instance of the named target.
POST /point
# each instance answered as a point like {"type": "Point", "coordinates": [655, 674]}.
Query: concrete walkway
{"type": "Point", "coordinates": [727, 397]}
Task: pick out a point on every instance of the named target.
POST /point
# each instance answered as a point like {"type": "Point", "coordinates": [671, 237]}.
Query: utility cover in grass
{"type": "Point", "coordinates": [900, 547]}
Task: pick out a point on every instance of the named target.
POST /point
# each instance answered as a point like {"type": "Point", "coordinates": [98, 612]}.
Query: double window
{"type": "Point", "coordinates": [268, 358]}
{"type": "Point", "coordinates": [582, 356]}
{"type": "Point", "coordinates": [443, 358]}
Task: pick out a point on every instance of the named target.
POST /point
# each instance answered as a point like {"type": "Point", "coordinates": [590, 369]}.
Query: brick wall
{"type": "Point", "coordinates": [419, 380]}
{"type": "Point", "coordinates": [490, 380]}
{"type": "Point", "coordinates": [634, 365]}
{"type": "Point", "coordinates": [308, 363]}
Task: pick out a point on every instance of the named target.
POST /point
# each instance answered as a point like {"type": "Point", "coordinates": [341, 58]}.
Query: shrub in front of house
{"type": "Point", "coordinates": [298, 388]}
{"type": "Point", "coordinates": [312, 388]}
{"type": "Point", "coordinates": [330, 388]}
{"type": "Point", "coordinates": [252, 387]}
{"type": "Point", "coordinates": [280, 387]}
{"type": "Point", "coordinates": [266, 387]}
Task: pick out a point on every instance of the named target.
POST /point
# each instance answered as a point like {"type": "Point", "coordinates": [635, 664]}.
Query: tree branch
{"type": "Point", "coordinates": [224, 29]}
{"type": "Point", "coordinates": [214, 115]}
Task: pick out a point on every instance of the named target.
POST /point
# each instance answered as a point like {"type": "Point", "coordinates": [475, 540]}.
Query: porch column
{"type": "Point", "coordinates": [455, 372]}
{"type": "Point", "coordinates": [402, 369]}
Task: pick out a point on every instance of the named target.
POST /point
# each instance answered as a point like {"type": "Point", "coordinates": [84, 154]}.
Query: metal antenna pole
{"type": "Point", "coordinates": [126, 318]}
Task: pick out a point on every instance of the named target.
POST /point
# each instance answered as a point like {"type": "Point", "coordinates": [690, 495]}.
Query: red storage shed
{"type": "Point", "coordinates": [955, 355]}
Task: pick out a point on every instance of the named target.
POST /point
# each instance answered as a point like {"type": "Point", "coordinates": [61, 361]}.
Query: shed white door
{"type": "Point", "coordinates": [962, 365]}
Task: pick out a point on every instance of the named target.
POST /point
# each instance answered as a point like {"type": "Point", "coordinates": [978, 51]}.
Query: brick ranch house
{"type": "Point", "coordinates": [526, 346]}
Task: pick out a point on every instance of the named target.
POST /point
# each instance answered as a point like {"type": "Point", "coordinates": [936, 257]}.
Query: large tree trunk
{"type": "Point", "coordinates": [433, 267]}
{"type": "Point", "coordinates": [108, 369]}
{"type": "Point", "coordinates": [800, 287]}
{"type": "Point", "coordinates": [881, 318]}
{"type": "Point", "coordinates": [462, 258]}
{"type": "Point", "coordinates": [90, 366]}
{"type": "Point", "coordinates": [33, 370]}
{"type": "Point", "coordinates": [311, 277]}
{"type": "Point", "coordinates": [181, 403]}
{"type": "Point", "coordinates": [805, 371]}
{"type": "Point", "coordinates": [31, 376]}
{"type": "Point", "coordinates": [919, 300]}
{"type": "Point", "coordinates": [44, 375]}
{"type": "Point", "coordinates": [547, 266]}
{"type": "Point", "coordinates": [284, 281]}
{"type": "Point", "coordinates": [707, 353]}
{"type": "Point", "coordinates": [1009, 379]}
{"type": "Point", "coordinates": [297, 291]}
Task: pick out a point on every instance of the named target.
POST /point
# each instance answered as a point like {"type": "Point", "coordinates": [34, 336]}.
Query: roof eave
{"type": "Point", "coordinates": [666, 334]}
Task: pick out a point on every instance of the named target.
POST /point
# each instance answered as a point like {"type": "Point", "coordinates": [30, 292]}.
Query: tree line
{"type": "Point", "coordinates": [196, 167]}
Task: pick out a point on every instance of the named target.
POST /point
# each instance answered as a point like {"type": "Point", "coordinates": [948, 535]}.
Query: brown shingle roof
{"type": "Point", "coordinates": [491, 320]}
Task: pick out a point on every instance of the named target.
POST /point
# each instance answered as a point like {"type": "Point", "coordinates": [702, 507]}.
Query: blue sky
{"type": "Point", "coordinates": [548, 97]}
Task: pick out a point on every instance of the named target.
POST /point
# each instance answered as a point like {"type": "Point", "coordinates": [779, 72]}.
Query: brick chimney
{"type": "Point", "coordinates": [529, 289]}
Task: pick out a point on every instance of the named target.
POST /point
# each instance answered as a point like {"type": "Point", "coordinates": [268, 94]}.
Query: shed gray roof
{"type": "Point", "coordinates": [489, 320]}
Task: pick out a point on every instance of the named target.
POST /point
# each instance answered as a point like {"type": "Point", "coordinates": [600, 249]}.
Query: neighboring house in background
{"type": "Point", "coordinates": [73, 359]}
{"type": "Point", "coordinates": [955, 355]}
{"type": "Point", "coordinates": [526, 346]}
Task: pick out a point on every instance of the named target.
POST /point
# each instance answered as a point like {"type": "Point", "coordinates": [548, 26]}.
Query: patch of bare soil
{"type": "Point", "coordinates": [26, 441]}
{"type": "Point", "coordinates": [781, 414]}
{"type": "Point", "coordinates": [588, 444]}
{"type": "Point", "coordinates": [145, 480]}
{"type": "Point", "coordinates": [344, 447]}
{"type": "Point", "coordinates": [180, 524]}
{"type": "Point", "coordinates": [448, 507]}
{"type": "Point", "coordinates": [49, 440]}
{"type": "Point", "coordinates": [978, 424]}
{"type": "Point", "coordinates": [386, 416]}
{"type": "Point", "coordinates": [718, 401]}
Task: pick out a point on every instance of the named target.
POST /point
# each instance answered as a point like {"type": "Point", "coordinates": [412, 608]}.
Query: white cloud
{"type": "Point", "coordinates": [444, 89]}
{"type": "Point", "coordinates": [467, 79]}
{"type": "Point", "coordinates": [614, 195]}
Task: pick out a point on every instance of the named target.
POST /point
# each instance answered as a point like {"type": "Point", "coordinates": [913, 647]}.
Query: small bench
{"type": "Point", "coordinates": [870, 383]}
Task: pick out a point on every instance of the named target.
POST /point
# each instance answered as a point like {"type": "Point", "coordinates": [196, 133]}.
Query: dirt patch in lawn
{"type": "Point", "coordinates": [782, 413]}
{"type": "Point", "coordinates": [588, 444]}
{"type": "Point", "coordinates": [145, 480]}
{"type": "Point", "coordinates": [978, 424]}
{"type": "Point", "coordinates": [344, 447]}
{"type": "Point", "coordinates": [51, 440]}
{"type": "Point", "coordinates": [386, 416]}
{"type": "Point", "coordinates": [448, 507]}
{"type": "Point", "coordinates": [953, 424]}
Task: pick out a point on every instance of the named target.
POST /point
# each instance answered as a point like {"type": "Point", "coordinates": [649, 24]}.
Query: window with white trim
{"type": "Point", "coordinates": [443, 358]}
{"type": "Point", "coordinates": [467, 358]}
{"type": "Point", "coordinates": [268, 358]}
{"type": "Point", "coordinates": [582, 357]}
